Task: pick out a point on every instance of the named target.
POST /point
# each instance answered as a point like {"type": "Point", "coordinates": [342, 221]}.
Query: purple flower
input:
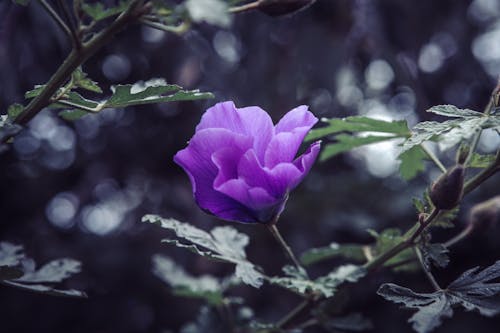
{"type": "Point", "coordinates": [241, 166]}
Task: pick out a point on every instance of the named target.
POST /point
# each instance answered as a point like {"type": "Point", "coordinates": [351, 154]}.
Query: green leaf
{"type": "Point", "coordinates": [481, 161]}
{"type": "Point", "coordinates": [48, 290]}
{"type": "Point", "coordinates": [473, 290]}
{"type": "Point", "coordinates": [347, 142]}
{"type": "Point", "coordinates": [55, 271]}
{"type": "Point", "coordinates": [10, 257]}
{"type": "Point", "coordinates": [152, 91]}
{"type": "Point", "coordinates": [213, 12]}
{"type": "Point", "coordinates": [72, 115]}
{"type": "Point", "coordinates": [445, 218]}
{"type": "Point", "coordinates": [347, 251]}
{"type": "Point", "coordinates": [206, 287]}
{"type": "Point", "coordinates": [453, 111]}
{"type": "Point", "coordinates": [222, 243]}
{"type": "Point", "coordinates": [412, 162]}
{"type": "Point", "coordinates": [37, 90]}
{"type": "Point", "coordinates": [359, 124]}
{"type": "Point", "coordinates": [15, 110]}
{"type": "Point", "coordinates": [81, 80]}
{"type": "Point", "coordinates": [386, 240]}
{"type": "Point", "coordinates": [98, 12]}
{"type": "Point", "coordinates": [325, 285]}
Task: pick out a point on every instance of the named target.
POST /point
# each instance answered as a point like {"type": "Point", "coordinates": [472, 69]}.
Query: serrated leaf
{"type": "Point", "coordinates": [213, 12]}
{"type": "Point", "coordinates": [72, 115]}
{"type": "Point", "coordinates": [359, 124]}
{"type": "Point", "coordinates": [206, 287]}
{"type": "Point", "coordinates": [453, 111]}
{"type": "Point", "coordinates": [10, 257]}
{"type": "Point", "coordinates": [55, 271]}
{"type": "Point", "coordinates": [81, 80]}
{"type": "Point", "coordinates": [435, 253]}
{"type": "Point", "coordinates": [97, 11]}
{"type": "Point", "coordinates": [325, 285]}
{"type": "Point", "coordinates": [473, 290]}
{"type": "Point", "coordinates": [347, 251]}
{"type": "Point", "coordinates": [412, 162]}
{"type": "Point", "coordinates": [222, 243]}
{"type": "Point", "coordinates": [481, 161]}
{"type": "Point", "coordinates": [427, 130]}
{"type": "Point", "coordinates": [386, 240]}
{"type": "Point", "coordinates": [15, 110]}
{"type": "Point", "coordinates": [37, 90]}
{"type": "Point", "coordinates": [445, 218]}
{"type": "Point", "coordinates": [347, 142]}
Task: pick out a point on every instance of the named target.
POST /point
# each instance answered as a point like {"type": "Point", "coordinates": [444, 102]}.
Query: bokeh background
{"type": "Point", "coordinates": [79, 189]}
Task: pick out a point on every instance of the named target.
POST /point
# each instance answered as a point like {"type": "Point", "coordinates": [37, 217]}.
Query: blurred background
{"type": "Point", "coordinates": [79, 189]}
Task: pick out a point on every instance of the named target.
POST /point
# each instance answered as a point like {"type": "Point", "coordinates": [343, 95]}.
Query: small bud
{"type": "Point", "coordinates": [462, 154]}
{"type": "Point", "coordinates": [486, 213]}
{"type": "Point", "coordinates": [283, 7]}
{"type": "Point", "coordinates": [446, 191]}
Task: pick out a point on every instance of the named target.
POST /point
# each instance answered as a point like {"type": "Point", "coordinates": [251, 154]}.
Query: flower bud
{"type": "Point", "coordinates": [446, 191]}
{"type": "Point", "coordinates": [283, 7]}
{"type": "Point", "coordinates": [486, 213]}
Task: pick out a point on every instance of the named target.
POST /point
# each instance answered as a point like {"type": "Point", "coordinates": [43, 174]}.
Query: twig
{"type": "Point", "coordinates": [434, 158]}
{"type": "Point", "coordinates": [56, 18]}
{"type": "Point", "coordinates": [426, 270]}
{"type": "Point", "coordinates": [245, 7]}
{"type": "Point", "coordinates": [74, 36]}
{"type": "Point", "coordinates": [293, 313]}
{"type": "Point", "coordinates": [286, 248]}
{"type": "Point", "coordinates": [180, 29]}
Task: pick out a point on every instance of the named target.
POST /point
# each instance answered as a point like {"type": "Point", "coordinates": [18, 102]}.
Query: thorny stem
{"type": "Point", "coordinates": [286, 248]}
{"type": "Point", "coordinates": [75, 59]}
{"type": "Point", "coordinates": [434, 158]}
{"type": "Point", "coordinates": [426, 270]}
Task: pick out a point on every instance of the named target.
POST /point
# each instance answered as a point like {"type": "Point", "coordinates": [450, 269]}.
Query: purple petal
{"type": "Point", "coordinates": [277, 181]}
{"type": "Point", "coordinates": [305, 161]}
{"type": "Point", "coordinates": [296, 118]}
{"type": "Point", "coordinates": [196, 160]}
{"type": "Point", "coordinates": [251, 121]}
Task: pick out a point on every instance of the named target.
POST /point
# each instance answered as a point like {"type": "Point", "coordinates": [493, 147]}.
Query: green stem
{"type": "Point", "coordinates": [434, 158]}
{"type": "Point", "coordinates": [56, 18]}
{"type": "Point", "coordinates": [245, 7]}
{"type": "Point", "coordinates": [407, 243]}
{"type": "Point", "coordinates": [75, 59]}
{"type": "Point", "coordinates": [286, 248]}
{"type": "Point", "coordinates": [463, 234]}
{"type": "Point", "coordinates": [427, 272]}
{"type": "Point", "coordinates": [293, 313]}
{"type": "Point", "coordinates": [180, 29]}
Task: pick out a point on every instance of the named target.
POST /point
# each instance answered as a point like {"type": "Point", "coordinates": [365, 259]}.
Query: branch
{"type": "Point", "coordinates": [56, 18]}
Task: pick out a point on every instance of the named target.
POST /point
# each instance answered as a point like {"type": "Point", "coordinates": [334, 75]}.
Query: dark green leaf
{"type": "Point", "coordinates": [347, 142]}
{"type": "Point", "coordinates": [40, 288]}
{"type": "Point", "coordinates": [34, 92]}
{"type": "Point", "coordinates": [473, 290]}
{"type": "Point", "coordinates": [213, 12]}
{"type": "Point", "coordinates": [347, 251]}
{"type": "Point", "coordinates": [206, 287]}
{"type": "Point", "coordinates": [412, 162]}
{"type": "Point", "coordinates": [453, 111]}
{"type": "Point", "coordinates": [98, 12]}
{"type": "Point", "coordinates": [72, 115]}
{"type": "Point", "coordinates": [386, 240]}
{"type": "Point", "coordinates": [445, 218]}
{"type": "Point", "coordinates": [222, 243]}
{"type": "Point", "coordinates": [21, 2]}
{"type": "Point", "coordinates": [359, 124]}
{"type": "Point", "coordinates": [435, 253]}
{"type": "Point", "coordinates": [15, 110]}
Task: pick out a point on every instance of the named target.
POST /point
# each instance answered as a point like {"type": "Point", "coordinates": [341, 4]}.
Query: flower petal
{"type": "Point", "coordinates": [251, 121]}
{"type": "Point", "coordinates": [305, 161]}
{"type": "Point", "coordinates": [296, 118]}
{"type": "Point", "coordinates": [196, 160]}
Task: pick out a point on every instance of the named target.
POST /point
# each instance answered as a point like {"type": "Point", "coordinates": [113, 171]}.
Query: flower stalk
{"type": "Point", "coordinates": [286, 248]}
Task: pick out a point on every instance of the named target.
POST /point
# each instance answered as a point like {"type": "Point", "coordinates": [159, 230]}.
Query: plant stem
{"type": "Point", "coordinates": [74, 36]}
{"type": "Point", "coordinates": [286, 248]}
{"type": "Point", "coordinates": [245, 7]}
{"type": "Point", "coordinates": [180, 29]}
{"type": "Point", "coordinates": [75, 59]}
{"type": "Point", "coordinates": [56, 18]}
{"type": "Point", "coordinates": [293, 313]}
{"type": "Point", "coordinates": [426, 270]}
{"type": "Point", "coordinates": [434, 158]}
{"type": "Point", "coordinates": [463, 234]}
{"type": "Point", "coordinates": [407, 243]}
